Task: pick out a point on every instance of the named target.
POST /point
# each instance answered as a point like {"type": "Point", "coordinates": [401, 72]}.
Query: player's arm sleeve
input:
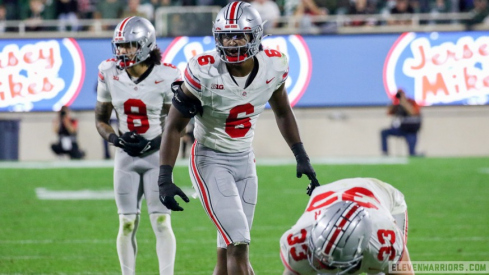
{"type": "Point", "coordinates": [103, 94]}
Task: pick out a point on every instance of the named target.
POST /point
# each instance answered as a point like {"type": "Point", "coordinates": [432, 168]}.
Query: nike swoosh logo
{"type": "Point", "coordinates": [157, 82]}
{"type": "Point", "coordinates": [268, 81]}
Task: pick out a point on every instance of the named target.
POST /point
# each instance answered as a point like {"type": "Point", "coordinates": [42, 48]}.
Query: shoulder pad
{"type": "Point", "coordinates": [107, 64]}
{"type": "Point", "coordinates": [205, 65]}
{"type": "Point", "coordinates": [278, 60]}
{"type": "Point", "coordinates": [171, 71]}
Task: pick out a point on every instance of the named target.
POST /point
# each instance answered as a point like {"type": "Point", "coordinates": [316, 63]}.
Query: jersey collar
{"type": "Point", "coordinates": [143, 76]}
{"type": "Point", "coordinates": [251, 76]}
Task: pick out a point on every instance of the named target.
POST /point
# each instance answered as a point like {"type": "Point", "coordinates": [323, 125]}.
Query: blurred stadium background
{"type": "Point", "coordinates": [347, 59]}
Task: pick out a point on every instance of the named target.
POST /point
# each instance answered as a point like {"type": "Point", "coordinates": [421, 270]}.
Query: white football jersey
{"type": "Point", "coordinates": [230, 112]}
{"type": "Point", "coordinates": [139, 106]}
{"type": "Point", "coordinates": [380, 199]}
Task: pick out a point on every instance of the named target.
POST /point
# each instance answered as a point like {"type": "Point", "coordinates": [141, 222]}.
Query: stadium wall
{"type": "Point", "coordinates": [326, 132]}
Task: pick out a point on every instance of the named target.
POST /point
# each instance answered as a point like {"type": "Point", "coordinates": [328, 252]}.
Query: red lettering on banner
{"type": "Point", "coordinates": [15, 87]}
{"type": "Point", "coordinates": [485, 81]}
{"type": "Point", "coordinates": [470, 80]}
{"type": "Point", "coordinates": [483, 50]}
{"type": "Point", "coordinates": [467, 52]}
{"type": "Point", "coordinates": [422, 62]}
{"type": "Point", "coordinates": [12, 60]}
{"type": "Point", "coordinates": [450, 71]}
{"type": "Point", "coordinates": [434, 88]}
{"type": "Point", "coordinates": [30, 73]}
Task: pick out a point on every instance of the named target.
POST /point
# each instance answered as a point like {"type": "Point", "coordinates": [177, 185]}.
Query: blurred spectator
{"type": "Point", "coordinates": [67, 13]}
{"type": "Point", "coordinates": [401, 9]}
{"type": "Point", "coordinates": [440, 7]}
{"type": "Point", "coordinates": [362, 7]}
{"type": "Point", "coordinates": [109, 9]}
{"type": "Point", "coordinates": [66, 128]}
{"type": "Point", "coordinates": [302, 11]}
{"type": "Point", "coordinates": [132, 9]}
{"type": "Point", "coordinates": [479, 13]}
{"type": "Point", "coordinates": [406, 122]}
{"type": "Point", "coordinates": [268, 11]}
{"type": "Point", "coordinates": [465, 5]}
{"type": "Point", "coordinates": [3, 18]}
{"type": "Point", "coordinates": [34, 16]}
{"type": "Point", "coordinates": [86, 8]}
{"type": "Point", "coordinates": [12, 8]}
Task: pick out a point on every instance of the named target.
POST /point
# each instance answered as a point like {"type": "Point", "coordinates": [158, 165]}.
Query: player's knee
{"type": "Point", "coordinates": [161, 222]}
{"type": "Point", "coordinates": [127, 223]}
{"type": "Point", "coordinates": [238, 250]}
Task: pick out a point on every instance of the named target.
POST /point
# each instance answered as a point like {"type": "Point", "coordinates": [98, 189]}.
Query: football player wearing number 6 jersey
{"type": "Point", "coordinates": [225, 91]}
{"type": "Point", "coordinates": [350, 226]}
{"type": "Point", "coordinates": [138, 87]}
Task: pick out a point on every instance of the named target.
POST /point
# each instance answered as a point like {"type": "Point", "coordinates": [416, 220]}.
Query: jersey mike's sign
{"type": "Point", "coordinates": [40, 75]}
{"type": "Point", "coordinates": [181, 49]}
{"type": "Point", "coordinates": [440, 68]}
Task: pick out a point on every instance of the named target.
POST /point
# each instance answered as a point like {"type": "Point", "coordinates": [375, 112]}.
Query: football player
{"type": "Point", "coordinates": [138, 87]}
{"type": "Point", "coordinates": [350, 226]}
{"type": "Point", "coordinates": [225, 91]}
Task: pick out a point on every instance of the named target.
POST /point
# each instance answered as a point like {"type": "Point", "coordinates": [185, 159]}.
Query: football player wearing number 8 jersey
{"type": "Point", "coordinates": [350, 226]}
{"type": "Point", "coordinates": [138, 87]}
{"type": "Point", "coordinates": [225, 91]}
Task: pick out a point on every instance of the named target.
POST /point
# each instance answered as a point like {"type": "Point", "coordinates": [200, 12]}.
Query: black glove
{"type": "Point", "coordinates": [168, 189]}
{"type": "Point", "coordinates": [140, 145]}
{"type": "Point", "coordinates": [304, 166]}
{"type": "Point", "coordinates": [116, 140]}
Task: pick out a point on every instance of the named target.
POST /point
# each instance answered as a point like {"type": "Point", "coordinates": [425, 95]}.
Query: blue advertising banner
{"type": "Point", "coordinates": [340, 70]}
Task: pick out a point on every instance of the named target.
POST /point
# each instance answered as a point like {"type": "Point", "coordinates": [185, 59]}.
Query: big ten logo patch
{"type": "Point", "coordinates": [40, 76]}
{"type": "Point", "coordinates": [440, 68]}
{"type": "Point", "coordinates": [181, 49]}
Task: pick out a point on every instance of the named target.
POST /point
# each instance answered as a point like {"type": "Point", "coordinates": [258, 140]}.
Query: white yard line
{"type": "Point", "coordinates": [111, 241]}
{"type": "Point", "coordinates": [484, 170]}
{"type": "Point", "coordinates": [180, 162]}
{"type": "Point", "coordinates": [86, 194]}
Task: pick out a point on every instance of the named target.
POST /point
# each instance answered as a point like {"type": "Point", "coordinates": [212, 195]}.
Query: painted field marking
{"type": "Point", "coordinates": [86, 194]}
{"type": "Point", "coordinates": [184, 163]}
{"type": "Point", "coordinates": [484, 170]}
{"type": "Point", "coordinates": [111, 241]}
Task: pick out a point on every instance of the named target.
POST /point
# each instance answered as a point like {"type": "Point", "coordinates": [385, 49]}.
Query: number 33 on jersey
{"type": "Point", "coordinates": [379, 199]}
{"type": "Point", "coordinates": [231, 109]}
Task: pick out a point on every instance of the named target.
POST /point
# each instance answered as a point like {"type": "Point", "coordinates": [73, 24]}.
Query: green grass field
{"type": "Point", "coordinates": [447, 201]}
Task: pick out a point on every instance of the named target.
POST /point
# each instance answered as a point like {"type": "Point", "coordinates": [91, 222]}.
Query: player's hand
{"type": "Point", "coordinates": [167, 196]}
{"type": "Point", "coordinates": [137, 145]}
{"type": "Point", "coordinates": [304, 167]}
{"type": "Point", "coordinates": [312, 185]}
{"type": "Point", "coordinates": [117, 141]}
{"type": "Point", "coordinates": [168, 190]}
